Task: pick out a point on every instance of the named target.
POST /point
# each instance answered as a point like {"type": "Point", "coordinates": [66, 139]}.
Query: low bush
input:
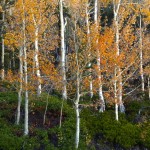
{"type": "Point", "coordinates": [97, 129]}
{"type": "Point", "coordinates": [145, 134]}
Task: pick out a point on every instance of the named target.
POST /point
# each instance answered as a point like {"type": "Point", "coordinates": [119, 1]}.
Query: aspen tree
{"type": "Point", "coordinates": [78, 94]}
{"type": "Point", "coordinates": [78, 59]}
{"type": "Point", "coordinates": [75, 5]}
{"type": "Point", "coordinates": [146, 41]}
{"type": "Point", "coordinates": [26, 126]}
{"type": "Point", "coordinates": [21, 86]}
{"type": "Point", "coordinates": [37, 23]}
{"type": "Point", "coordinates": [141, 52]}
{"type": "Point", "coordinates": [89, 45]}
{"type": "Point", "coordinates": [144, 18]}
{"type": "Point", "coordinates": [63, 51]}
{"type": "Point", "coordinates": [116, 11]}
{"type": "Point", "coordinates": [100, 90]}
{"type": "Point", "coordinates": [14, 40]}
{"type": "Point", "coordinates": [2, 35]}
{"type": "Point", "coordinates": [117, 71]}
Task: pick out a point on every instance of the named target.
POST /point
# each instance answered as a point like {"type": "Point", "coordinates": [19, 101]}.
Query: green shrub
{"type": "Point", "coordinates": [9, 97]}
{"type": "Point", "coordinates": [145, 134]}
{"type": "Point", "coordinates": [128, 135]}
{"type": "Point", "coordinates": [99, 128]}
{"type": "Point", "coordinates": [8, 140]}
{"type": "Point", "coordinates": [132, 109]}
{"type": "Point", "coordinates": [31, 143]}
{"type": "Point", "coordinates": [116, 132]}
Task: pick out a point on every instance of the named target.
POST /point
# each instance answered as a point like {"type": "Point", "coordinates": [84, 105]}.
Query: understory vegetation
{"type": "Point", "coordinates": [98, 130]}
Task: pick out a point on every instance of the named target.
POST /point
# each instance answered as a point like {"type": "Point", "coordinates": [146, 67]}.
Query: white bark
{"type": "Point", "coordinates": [102, 108]}
{"type": "Point", "coordinates": [117, 68]}
{"type": "Point", "coordinates": [100, 90]}
{"type": "Point", "coordinates": [115, 93]}
{"type": "Point", "coordinates": [19, 106]}
{"type": "Point", "coordinates": [26, 130]}
{"type": "Point", "coordinates": [121, 105]}
{"type": "Point", "coordinates": [77, 126]}
{"type": "Point", "coordinates": [36, 54]}
{"type": "Point", "coordinates": [141, 55]}
{"type": "Point", "coordinates": [88, 47]}
{"type": "Point", "coordinates": [77, 96]}
{"type": "Point", "coordinates": [116, 111]}
{"type": "Point", "coordinates": [77, 108]}
{"type": "Point", "coordinates": [38, 74]}
{"type": "Point", "coordinates": [63, 52]}
{"type": "Point", "coordinates": [20, 88]}
{"type": "Point", "coordinates": [26, 126]}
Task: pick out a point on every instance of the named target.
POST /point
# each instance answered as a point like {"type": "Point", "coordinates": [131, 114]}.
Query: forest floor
{"type": "Point", "coordinates": [99, 131]}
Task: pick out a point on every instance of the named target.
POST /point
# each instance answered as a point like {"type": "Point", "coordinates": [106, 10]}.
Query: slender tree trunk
{"type": "Point", "coordinates": [100, 90]}
{"type": "Point", "coordinates": [88, 47]}
{"type": "Point", "coordinates": [77, 126]}
{"type": "Point", "coordinates": [63, 52]}
{"type": "Point", "coordinates": [26, 130]}
{"type": "Point", "coordinates": [116, 111]}
{"type": "Point", "coordinates": [26, 126]}
{"type": "Point", "coordinates": [78, 95]}
{"type": "Point", "coordinates": [121, 105]}
{"type": "Point", "coordinates": [3, 47]}
{"type": "Point", "coordinates": [26, 93]}
{"type": "Point", "coordinates": [141, 54]}
{"type": "Point", "coordinates": [77, 113]}
{"type": "Point", "coordinates": [115, 93]}
{"type": "Point", "coordinates": [20, 88]}
{"type": "Point", "coordinates": [117, 68]}
{"type": "Point", "coordinates": [38, 74]}
{"type": "Point", "coordinates": [77, 109]}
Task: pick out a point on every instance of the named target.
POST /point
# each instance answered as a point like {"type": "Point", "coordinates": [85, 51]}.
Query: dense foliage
{"type": "Point", "coordinates": [98, 130]}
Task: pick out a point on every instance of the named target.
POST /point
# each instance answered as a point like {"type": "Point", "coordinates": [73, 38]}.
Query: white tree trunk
{"type": "Point", "coordinates": [77, 138]}
{"type": "Point", "coordinates": [116, 111]}
{"type": "Point", "coordinates": [121, 105]}
{"type": "Point", "coordinates": [100, 90]}
{"type": "Point", "coordinates": [26, 126]}
{"type": "Point", "coordinates": [141, 55]}
{"type": "Point", "coordinates": [101, 97]}
{"type": "Point", "coordinates": [26, 130]}
{"type": "Point", "coordinates": [77, 108]}
{"type": "Point", "coordinates": [115, 93]}
{"type": "Point", "coordinates": [117, 68]}
{"type": "Point", "coordinates": [3, 48]}
{"type": "Point", "coordinates": [38, 74]}
{"type": "Point", "coordinates": [88, 47]}
{"type": "Point", "coordinates": [63, 52]}
{"type": "Point", "coordinates": [77, 126]}
{"type": "Point", "coordinates": [20, 88]}
{"type": "Point", "coordinates": [77, 113]}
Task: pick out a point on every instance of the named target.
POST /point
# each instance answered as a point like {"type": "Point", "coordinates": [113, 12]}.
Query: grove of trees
{"type": "Point", "coordinates": [93, 53]}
